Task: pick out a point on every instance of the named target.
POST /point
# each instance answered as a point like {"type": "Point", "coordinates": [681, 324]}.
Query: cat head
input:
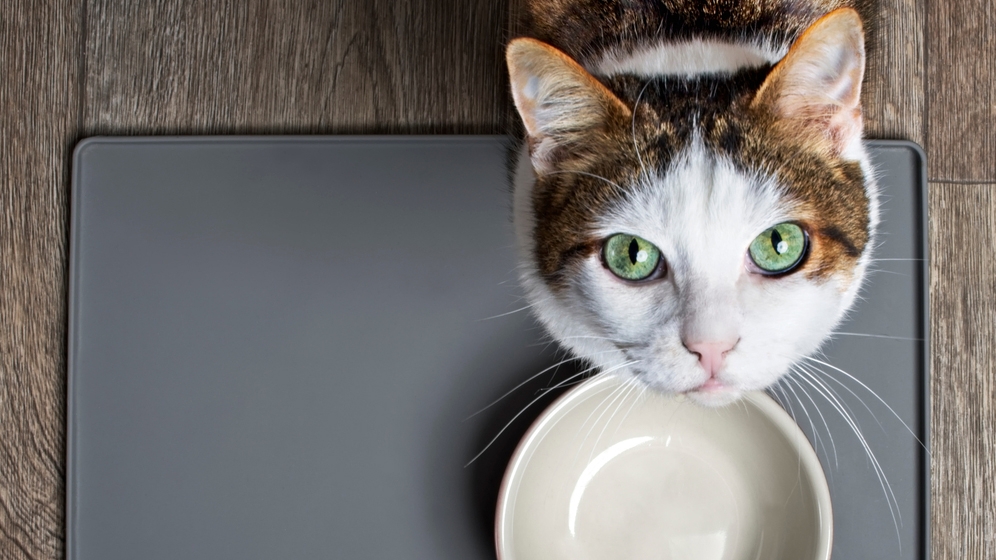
{"type": "Point", "coordinates": [701, 234]}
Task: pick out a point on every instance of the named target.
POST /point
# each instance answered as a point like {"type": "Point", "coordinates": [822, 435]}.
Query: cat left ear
{"type": "Point", "coordinates": [817, 86]}
{"type": "Point", "coordinates": [563, 107]}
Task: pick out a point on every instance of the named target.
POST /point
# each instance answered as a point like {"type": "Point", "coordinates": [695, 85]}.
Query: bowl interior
{"type": "Point", "coordinates": [614, 472]}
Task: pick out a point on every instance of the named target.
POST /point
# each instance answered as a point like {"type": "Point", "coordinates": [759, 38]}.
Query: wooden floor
{"type": "Point", "coordinates": [74, 69]}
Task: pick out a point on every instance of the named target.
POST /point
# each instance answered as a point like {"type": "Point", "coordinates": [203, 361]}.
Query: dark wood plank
{"type": "Point", "coordinates": [39, 110]}
{"type": "Point", "coordinates": [263, 66]}
{"type": "Point", "coordinates": [963, 342]}
{"type": "Point", "coordinates": [894, 93]}
{"type": "Point", "coordinates": [961, 72]}
{"type": "Point", "coordinates": [961, 148]}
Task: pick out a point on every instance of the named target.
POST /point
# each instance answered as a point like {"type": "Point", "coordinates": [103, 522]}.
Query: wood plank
{"type": "Point", "coordinates": [963, 426]}
{"type": "Point", "coordinates": [894, 94]}
{"type": "Point", "coordinates": [961, 72]}
{"type": "Point", "coordinates": [39, 114]}
{"type": "Point", "coordinates": [281, 66]}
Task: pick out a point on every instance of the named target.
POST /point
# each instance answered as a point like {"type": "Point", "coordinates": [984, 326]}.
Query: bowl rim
{"type": "Point", "coordinates": [768, 406]}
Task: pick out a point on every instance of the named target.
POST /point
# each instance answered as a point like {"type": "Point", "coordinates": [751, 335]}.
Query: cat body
{"type": "Point", "coordinates": [679, 155]}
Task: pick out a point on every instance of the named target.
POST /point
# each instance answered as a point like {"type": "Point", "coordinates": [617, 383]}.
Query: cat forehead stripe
{"type": "Point", "coordinates": [688, 58]}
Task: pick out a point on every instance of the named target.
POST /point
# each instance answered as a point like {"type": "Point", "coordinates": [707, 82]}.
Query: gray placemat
{"type": "Point", "coordinates": [275, 344]}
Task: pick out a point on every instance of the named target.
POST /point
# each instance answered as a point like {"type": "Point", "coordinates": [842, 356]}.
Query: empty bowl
{"type": "Point", "coordinates": [611, 471]}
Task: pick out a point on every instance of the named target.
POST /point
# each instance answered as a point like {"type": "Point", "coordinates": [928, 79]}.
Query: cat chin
{"type": "Point", "coordinates": [714, 398]}
{"type": "Point", "coordinates": [707, 396]}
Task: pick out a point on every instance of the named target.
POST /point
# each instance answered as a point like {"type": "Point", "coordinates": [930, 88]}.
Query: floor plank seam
{"type": "Point", "coordinates": [961, 182]}
{"type": "Point", "coordinates": [81, 73]}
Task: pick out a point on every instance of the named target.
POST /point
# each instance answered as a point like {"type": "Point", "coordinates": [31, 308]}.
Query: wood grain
{"type": "Point", "coordinates": [39, 106]}
{"type": "Point", "coordinates": [894, 93]}
{"type": "Point", "coordinates": [286, 66]}
{"type": "Point", "coordinates": [963, 305]}
{"type": "Point", "coordinates": [961, 71]}
{"type": "Point", "coordinates": [961, 151]}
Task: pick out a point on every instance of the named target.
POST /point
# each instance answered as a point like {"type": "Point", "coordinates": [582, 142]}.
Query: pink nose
{"type": "Point", "coordinates": [711, 354]}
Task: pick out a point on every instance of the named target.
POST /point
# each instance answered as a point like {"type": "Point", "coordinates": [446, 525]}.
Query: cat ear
{"type": "Point", "coordinates": [561, 104]}
{"type": "Point", "coordinates": [816, 88]}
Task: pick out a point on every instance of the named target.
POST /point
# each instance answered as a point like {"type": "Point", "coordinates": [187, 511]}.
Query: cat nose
{"type": "Point", "coordinates": [711, 354]}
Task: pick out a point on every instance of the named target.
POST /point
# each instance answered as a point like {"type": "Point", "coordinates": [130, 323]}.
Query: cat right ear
{"type": "Point", "coordinates": [564, 108]}
{"type": "Point", "coordinates": [816, 88]}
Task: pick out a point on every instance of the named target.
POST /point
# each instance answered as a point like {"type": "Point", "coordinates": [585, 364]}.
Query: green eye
{"type": "Point", "coordinates": [630, 257]}
{"type": "Point", "coordinates": [779, 249]}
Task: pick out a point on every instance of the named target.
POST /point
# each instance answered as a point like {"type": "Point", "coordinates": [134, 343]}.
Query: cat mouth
{"type": "Point", "coordinates": [712, 385]}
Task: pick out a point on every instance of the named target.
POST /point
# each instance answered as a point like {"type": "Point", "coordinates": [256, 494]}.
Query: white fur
{"type": "Point", "coordinates": [689, 58]}
{"type": "Point", "coordinates": [702, 213]}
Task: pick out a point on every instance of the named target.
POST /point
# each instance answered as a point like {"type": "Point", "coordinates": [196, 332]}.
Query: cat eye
{"type": "Point", "coordinates": [632, 258]}
{"type": "Point", "coordinates": [779, 249]}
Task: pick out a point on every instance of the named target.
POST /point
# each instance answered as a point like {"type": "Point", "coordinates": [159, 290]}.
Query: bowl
{"type": "Point", "coordinates": [613, 471]}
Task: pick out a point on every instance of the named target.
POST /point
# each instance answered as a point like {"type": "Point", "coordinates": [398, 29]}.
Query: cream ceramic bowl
{"type": "Point", "coordinates": [611, 472]}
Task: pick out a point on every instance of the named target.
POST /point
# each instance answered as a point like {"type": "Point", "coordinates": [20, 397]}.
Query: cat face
{"type": "Point", "coordinates": [699, 234]}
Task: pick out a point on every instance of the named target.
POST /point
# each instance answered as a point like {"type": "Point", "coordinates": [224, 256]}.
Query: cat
{"type": "Point", "coordinates": [693, 204]}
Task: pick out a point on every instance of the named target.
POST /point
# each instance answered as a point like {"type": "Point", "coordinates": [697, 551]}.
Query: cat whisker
{"type": "Point", "coordinates": [534, 401]}
{"type": "Point", "coordinates": [773, 394]}
{"type": "Point", "coordinates": [636, 146]}
{"type": "Point", "coordinates": [586, 398]}
{"type": "Point", "coordinates": [883, 271]}
{"type": "Point", "coordinates": [514, 418]}
{"type": "Point", "coordinates": [874, 394]}
{"type": "Point", "coordinates": [531, 378]}
{"type": "Point", "coordinates": [546, 390]}
{"type": "Point", "coordinates": [586, 174]}
{"type": "Point", "coordinates": [612, 395]}
{"type": "Point", "coordinates": [739, 404]}
{"type": "Point", "coordinates": [632, 384]}
{"type": "Point", "coordinates": [583, 337]}
{"type": "Point", "coordinates": [785, 400]}
{"type": "Point", "coordinates": [592, 413]}
{"type": "Point", "coordinates": [877, 336]}
{"type": "Point", "coordinates": [879, 243]}
{"type": "Point", "coordinates": [883, 479]}
{"type": "Point", "coordinates": [506, 314]}
{"type": "Point", "coordinates": [804, 369]}
{"type": "Point", "coordinates": [520, 385]}
{"type": "Point", "coordinates": [534, 301]}
{"type": "Point", "coordinates": [551, 339]}
{"type": "Point", "coordinates": [639, 397]}
{"type": "Point", "coordinates": [611, 398]}
{"type": "Point", "coordinates": [786, 403]}
{"type": "Point", "coordinates": [553, 376]}
{"type": "Point", "coordinates": [812, 425]}
{"type": "Point", "coordinates": [811, 372]}
{"type": "Point", "coordinates": [802, 405]}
